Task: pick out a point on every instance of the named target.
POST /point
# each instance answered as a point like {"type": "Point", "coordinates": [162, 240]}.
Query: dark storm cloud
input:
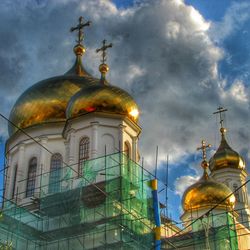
{"type": "Point", "coordinates": [162, 55]}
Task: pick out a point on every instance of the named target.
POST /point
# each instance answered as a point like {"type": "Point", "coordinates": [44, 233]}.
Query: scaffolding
{"type": "Point", "coordinates": [212, 231]}
{"type": "Point", "coordinates": [111, 207]}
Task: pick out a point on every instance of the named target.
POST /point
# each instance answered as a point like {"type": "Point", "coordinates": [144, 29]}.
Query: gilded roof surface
{"type": "Point", "coordinates": [46, 101]}
{"type": "Point", "coordinates": [226, 157]}
{"type": "Point", "coordinates": [207, 193]}
{"type": "Point", "coordinates": [104, 98]}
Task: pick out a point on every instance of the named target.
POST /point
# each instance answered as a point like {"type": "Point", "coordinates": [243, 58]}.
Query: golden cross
{"type": "Point", "coordinates": [203, 148]}
{"type": "Point", "coordinates": [220, 110]}
{"type": "Point", "coordinates": [80, 27]}
{"type": "Point", "coordinates": [103, 49]}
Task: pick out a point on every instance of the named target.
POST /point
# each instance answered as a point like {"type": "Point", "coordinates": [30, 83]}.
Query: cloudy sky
{"type": "Point", "coordinates": [179, 59]}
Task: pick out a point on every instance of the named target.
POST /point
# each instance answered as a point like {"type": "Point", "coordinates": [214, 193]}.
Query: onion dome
{"type": "Point", "coordinates": [207, 193]}
{"type": "Point", "coordinates": [225, 156]}
{"type": "Point", "coordinates": [103, 97]}
{"type": "Point", "coordinates": [46, 101]}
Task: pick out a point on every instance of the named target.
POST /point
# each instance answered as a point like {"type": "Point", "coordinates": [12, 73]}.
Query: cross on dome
{"type": "Point", "coordinates": [104, 68]}
{"type": "Point", "coordinates": [204, 163]}
{"type": "Point", "coordinates": [219, 111]}
{"type": "Point", "coordinates": [203, 149]}
{"type": "Point", "coordinates": [79, 28]}
{"type": "Point", "coordinates": [103, 50]}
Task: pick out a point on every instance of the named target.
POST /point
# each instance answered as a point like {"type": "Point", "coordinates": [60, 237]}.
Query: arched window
{"type": "Point", "coordinates": [55, 173]}
{"type": "Point", "coordinates": [83, 153]}
{"type": "Point", "coordinates": [236, 193]}
{"type": "Point", "coordinates": [31, 180]}
{"type": "Point", "coordinates": [14, 182]}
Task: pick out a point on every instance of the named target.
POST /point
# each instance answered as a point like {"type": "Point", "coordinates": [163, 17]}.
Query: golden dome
{"type": "Point", "coordinates": [206, 193]}
{"type": "Point", "coordinates": [46, 101]}
{"type": "Point", "coordinates": [225, 156]}
{"type": "Point", "coordinates": [103, 98]}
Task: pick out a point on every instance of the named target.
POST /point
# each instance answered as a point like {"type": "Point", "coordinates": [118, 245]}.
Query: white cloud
{"type": "Point", "coordinates": [197, 18]}
{"type": "Point", "coordinates": [99, 9]}
{"type": "Point", "coordinates": [178, 2]}
{"type": "Point", "coordinates": [238, 91]}
{"type": "Point", "coordinates": [172, 30]}
{"type": "Point", "coordinates": [183, 182]}
{"type": "Point", "coordinates": [134, 71]}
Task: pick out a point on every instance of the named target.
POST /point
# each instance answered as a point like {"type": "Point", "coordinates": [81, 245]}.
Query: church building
{"type": "Point", "coordinates": [73, 178]}
{"type": "Point", "coordinates": [216, 210]}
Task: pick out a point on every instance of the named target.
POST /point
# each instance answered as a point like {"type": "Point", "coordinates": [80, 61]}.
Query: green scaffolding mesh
{"type": "Point", "coordinates": [109, 207]}
{"type": "Point", "coordinates": [215, 231]}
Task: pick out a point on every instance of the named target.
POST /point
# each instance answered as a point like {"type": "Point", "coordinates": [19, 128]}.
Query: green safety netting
{"type": "Point", "coordinates": [108, 206]}
{"type": "Point", "coordinates": [213, 232]}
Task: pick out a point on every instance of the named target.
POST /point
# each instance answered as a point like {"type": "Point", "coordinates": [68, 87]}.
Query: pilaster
{"type": "Point", "coordinates": [94, 141]}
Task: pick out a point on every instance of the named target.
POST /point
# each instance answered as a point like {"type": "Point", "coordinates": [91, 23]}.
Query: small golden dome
{"type": "Point", "coordinates": [206, 193]}
{"type": "Point", "coordinates": [102, 98]}
{"type": "Point", "coordinates": [104, 68]}
{"type": "Point", "coordinates": [225, 156]}
{"type": "Point", "coordinates": [79, 50]}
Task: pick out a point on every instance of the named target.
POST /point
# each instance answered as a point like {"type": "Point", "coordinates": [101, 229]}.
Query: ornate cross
{"type": "Point", "coordinates": [80, 27]}
{"type": "Point", "coordinates": [220, 110]}
{"type": "Point", "coordinates": [203, 148]}
{"type": "Point", "coordinates": [103, 49]}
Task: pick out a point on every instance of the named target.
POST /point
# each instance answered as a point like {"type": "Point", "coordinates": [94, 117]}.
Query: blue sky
{"type": "Point", "coordinates": [212, 10]}
{"type": "Point", "coordinates": [236, 45]}
{"type": "Point", "coordinates": [177, 69]}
